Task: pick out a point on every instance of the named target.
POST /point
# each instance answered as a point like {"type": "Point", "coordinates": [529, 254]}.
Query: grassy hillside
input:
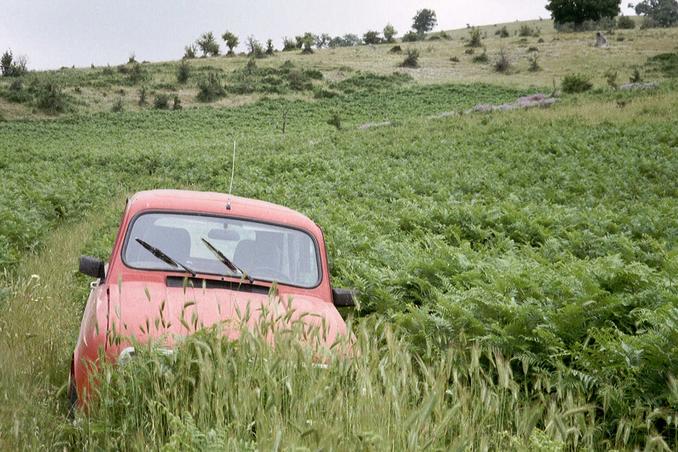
{"type": "Point", "coordinates": [517, 269]}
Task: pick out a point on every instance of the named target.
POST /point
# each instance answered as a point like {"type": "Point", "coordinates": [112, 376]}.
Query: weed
{"type": "Point", "coordinates": [411, 59]}
{"type": "Point", "coordinates": [576, 83]}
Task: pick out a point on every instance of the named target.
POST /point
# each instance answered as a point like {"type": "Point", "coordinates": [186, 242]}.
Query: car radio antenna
{"type": "Point", "coordinates": [230, 188]}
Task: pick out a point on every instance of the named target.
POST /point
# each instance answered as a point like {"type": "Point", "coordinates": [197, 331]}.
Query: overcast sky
{"type": "Point", "coordinates": [55, 33]}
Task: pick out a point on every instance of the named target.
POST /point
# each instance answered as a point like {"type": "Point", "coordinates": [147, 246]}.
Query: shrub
{"type": "Point", "coordinates": [210, 88]}
{"type": "Point", "coordinates": [107, 71]}
{"type": "Point", "coordinates": [626, 23]}
{"type": "Point", "coordinates": [525, 31]}
{"type": "Point", "coordinates": [390, 33]}
{"type": "Point", "coordinates": [335, 120]}
{"type": "Point", "coordinates": [475, 38]}
{"type": "Point", "coordinates": [307, 42]}
{"type": "Point", "coordinates": [454, 59]}
{"type": "Point", "coordinates": [636, 76]}
{"type": "Point", "coordinates": [161, 102]}
{"type": "Point", "coordinates": [132, 58]}
{"type": "Point", "coordinates": [482, 58]}
{"type": "Point", "coordinates": [189, 52]}
{"type": "Point", "coordinates": [50, 97]}
{"type": "Point", "coordinates": [533, 60]}
{"type": "Point", "coordinates": [13, 67]}
{"type": "Point", "coordinates": [372, 37]}
{"type": "Point", "coordinates": [410, 36]}
{"type": "Point", "coordinates": [208, 44]}
{"type": "Point", "coordinates": [118, 105]}
{"type": "Point", "coordinates": [412, 59]}
{"type": "Point", "coordinates": [254, 48]}
{"type": "Point", "coordinates": [667, 63]}
{"type": "Point", "coordinates": [502, 32]}
{"type": "Point", "coordinates": [17, 92]}
{"type": "Point", "coordinates": [503, 63]}
{"type": "Point", "coordinates": [540, 41]}
{"type": "Point", "coordinates": [176, 103]}
{"type": "Point", "coordinates": [396, 49]}
{"type": "Point", "coordinates": [270, 50]}
{"type": "Point", "coordinates": [289, 44]}
{"type": "Point", "coordinates": [232, 42]}
{"type": "Point", "coordinates": [469, 51]}
{"type": "Point", "coordinates": [533, 49]}
{"type": "Point", "coordinates": [183, 72]}
{"type": "Point", "coordinates": [322, 40]}
{"type": "Point", "coordinates": [142, 96]}
{"type": "Point", "coordinates": [135, 73]}
{"type": "Point", "coordinates": [576, 83]}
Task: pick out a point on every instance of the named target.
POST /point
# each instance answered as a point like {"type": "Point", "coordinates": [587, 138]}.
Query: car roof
{"type": "Point", "coordinates": [216, 204]}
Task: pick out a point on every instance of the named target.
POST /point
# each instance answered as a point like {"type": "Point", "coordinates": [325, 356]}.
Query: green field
{"type": "Point", "coordinates": [517, 270]}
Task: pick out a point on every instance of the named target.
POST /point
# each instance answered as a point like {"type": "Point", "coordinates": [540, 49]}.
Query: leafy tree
{"type": "Point", "coordinates": [322, 40]}
{"type": "Point", "coordinates": [661, 12]}
{"type": "Point", "coordinates": [11, 66]}
{"type": "Point", "coordinates": [208, 44]}
{"type": "Point", "coordinates": [389, 33]}
{"type": "Point", "coordinates": [579, 11]}
{"type": "Point", "coordinates": [189, 52]}
{"type": "Point", "coordinates": [289, 44]}
{"type": "Point", "coordinates": [372, 37]}
{"type": "Point", "coordinates": [270, 50]}
{"type": "Point", "coordinates": [231, 40]}
{"type": "Point", "coordinates": [254, 48]}
{"type": "Point", "coordinates": [6, 63]}
{"type": "Point", "coordinates": [424, 21]}
{"type": "Point", "coordinates": [307, 42]}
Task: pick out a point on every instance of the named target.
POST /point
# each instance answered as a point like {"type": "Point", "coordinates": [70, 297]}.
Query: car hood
{"type": "Point", "coordinates": [143, 311]}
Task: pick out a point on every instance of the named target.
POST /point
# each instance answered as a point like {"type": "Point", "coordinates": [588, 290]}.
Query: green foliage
{"type": "Point", "coordinates": [611, 78]}
{"type": "Point", "coordinates": [142, 96]}
{"type": "Point", "coordinates": [526, 261]}
{"type": "Point", "coordinates": [272, 80]}
{"type": "Point", "coordinates": [232, 42]}
{"type": "Point", "coordinates": [576, 83]}
{"type": "Point", "coordinates": [482, 58]}
{"type": "Point", "coordinates": [307, 41]}
{"type": "Point", "coordinates": [411, 59]}
{"type": "Point", "coordinates": [11, 66]}
{"type": "Point", "coordinates": [118, 105]}
{"type": "Point", "coordinates": [533, 61]}
{"type": "Point", "coordinates": [208, 44]}
{"type": "Point", "coordinates": [626, 23]}
{"type": "Point", "coordinates": [410, 36]}
{"type": "Point", "coordinates": [502, 32]}
{"type": "Point", "coordinates": [183, 71]}
{"type": "Point", "coordinates": [503, 62]}
{"type": "Point", "coordinates": [289, 45]}
{"type": "Point", "coordinates": [161, 101]}
{"type": "Point", "coordinates": [372, 37]}
{"type": "Point", "coordinates": [636, 76]}
{"type": "Point", "coordinates": [50, 97]}
{"type": "Point", "coordinates": [390, 33]}
{"type": "Point", "coordinates": [475, 38]}
{"type": "Point", "coordinates": [424, 21]}
{"type": "Point", "coordinates": [662, 13]}
{"type": "Point", "coordinates": [254, 48]}
{"type": "Point", "coordinates": [578, 12]}
{"type": "Point", "coordinates": [322, 40]}
{"type": "Point", "coordinates": [270, 50]}
{"type": "Point", "coordinates": [335, 120]}
{"type": "Point", "coordinates": [210, 88]}
{"type": "Point", "coordinates": [666, 63]}
{"type": "Point", "coordinates": [190, 52]}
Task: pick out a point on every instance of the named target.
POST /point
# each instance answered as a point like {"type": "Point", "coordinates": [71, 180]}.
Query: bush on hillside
{"type": "Point", "coordinates": [161, 102]}
{"type": "Point", "coordinates": [475, 38]}
{"type": "Point", "coordinates": [372, 37]}
{"type": "Point", "coordinates": [183, 72]}
{"type": "Point", "coordinates": [502, 32]}
{"type": "Point", "coordinates": [50, 97]}
{"type": "Point", "coordinates": [13, 66]}
{"type": "Point", "coordinates": [289, 44]}
{"type": "Point", "coordinates": [410, 36]}
{"type": "Point", "coordinates": [576, 83]}
{"type": "Point", "coordinates": [210, 88]}
{"type": "Point", "coordinates": [189, 52]}
{"type": "Point", "coordinates": [503, 63]}
{"type": "Point", "coordinates": [411, 59]}
{"type": "Point", "coordinates": [626, 23]}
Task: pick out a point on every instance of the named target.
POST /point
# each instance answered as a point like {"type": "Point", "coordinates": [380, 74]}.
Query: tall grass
{"type": "Point", "coordinates": [217, 394]}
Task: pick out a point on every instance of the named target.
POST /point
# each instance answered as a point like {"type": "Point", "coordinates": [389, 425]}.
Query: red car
{"type": "Point", "coordinates": [186, 260]}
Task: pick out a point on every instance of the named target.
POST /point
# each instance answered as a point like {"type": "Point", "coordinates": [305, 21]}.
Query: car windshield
{"type": "Point", "coordinates": [265, 252]}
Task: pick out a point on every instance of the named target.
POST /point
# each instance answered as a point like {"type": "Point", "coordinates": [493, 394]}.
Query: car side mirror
{"type": "Point", "coordinates": [343, 297]}
{"type": "Point", "coordinates": [91, 266]}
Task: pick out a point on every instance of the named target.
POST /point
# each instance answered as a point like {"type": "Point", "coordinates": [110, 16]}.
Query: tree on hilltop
{"type": "Point", "coordinates": [231, 40]}
{"type": "Point", "coordinates": [425, 20]}
{"type": "Point", "coordinates": [208, 44]}
{"type": "Point", "coordinates": [579, 11]}
{"type": "Point", "coordinates": [389, 33]}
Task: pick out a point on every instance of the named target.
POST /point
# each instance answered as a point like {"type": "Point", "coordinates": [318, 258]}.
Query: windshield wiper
{"type": "Point", "coordinates": [227, 262]}
{"type": "Point", "coordinates": [163, 256]}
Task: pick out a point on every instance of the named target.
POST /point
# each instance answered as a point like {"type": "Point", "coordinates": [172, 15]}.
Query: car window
{"type": "Point", "coordinates": [264, 251]}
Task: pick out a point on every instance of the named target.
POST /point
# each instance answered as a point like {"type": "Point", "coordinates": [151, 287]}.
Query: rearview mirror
{"type": "Point", "coordinates": [91, 266]}
{"type": "Point", "coordinates": [343, 297]}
